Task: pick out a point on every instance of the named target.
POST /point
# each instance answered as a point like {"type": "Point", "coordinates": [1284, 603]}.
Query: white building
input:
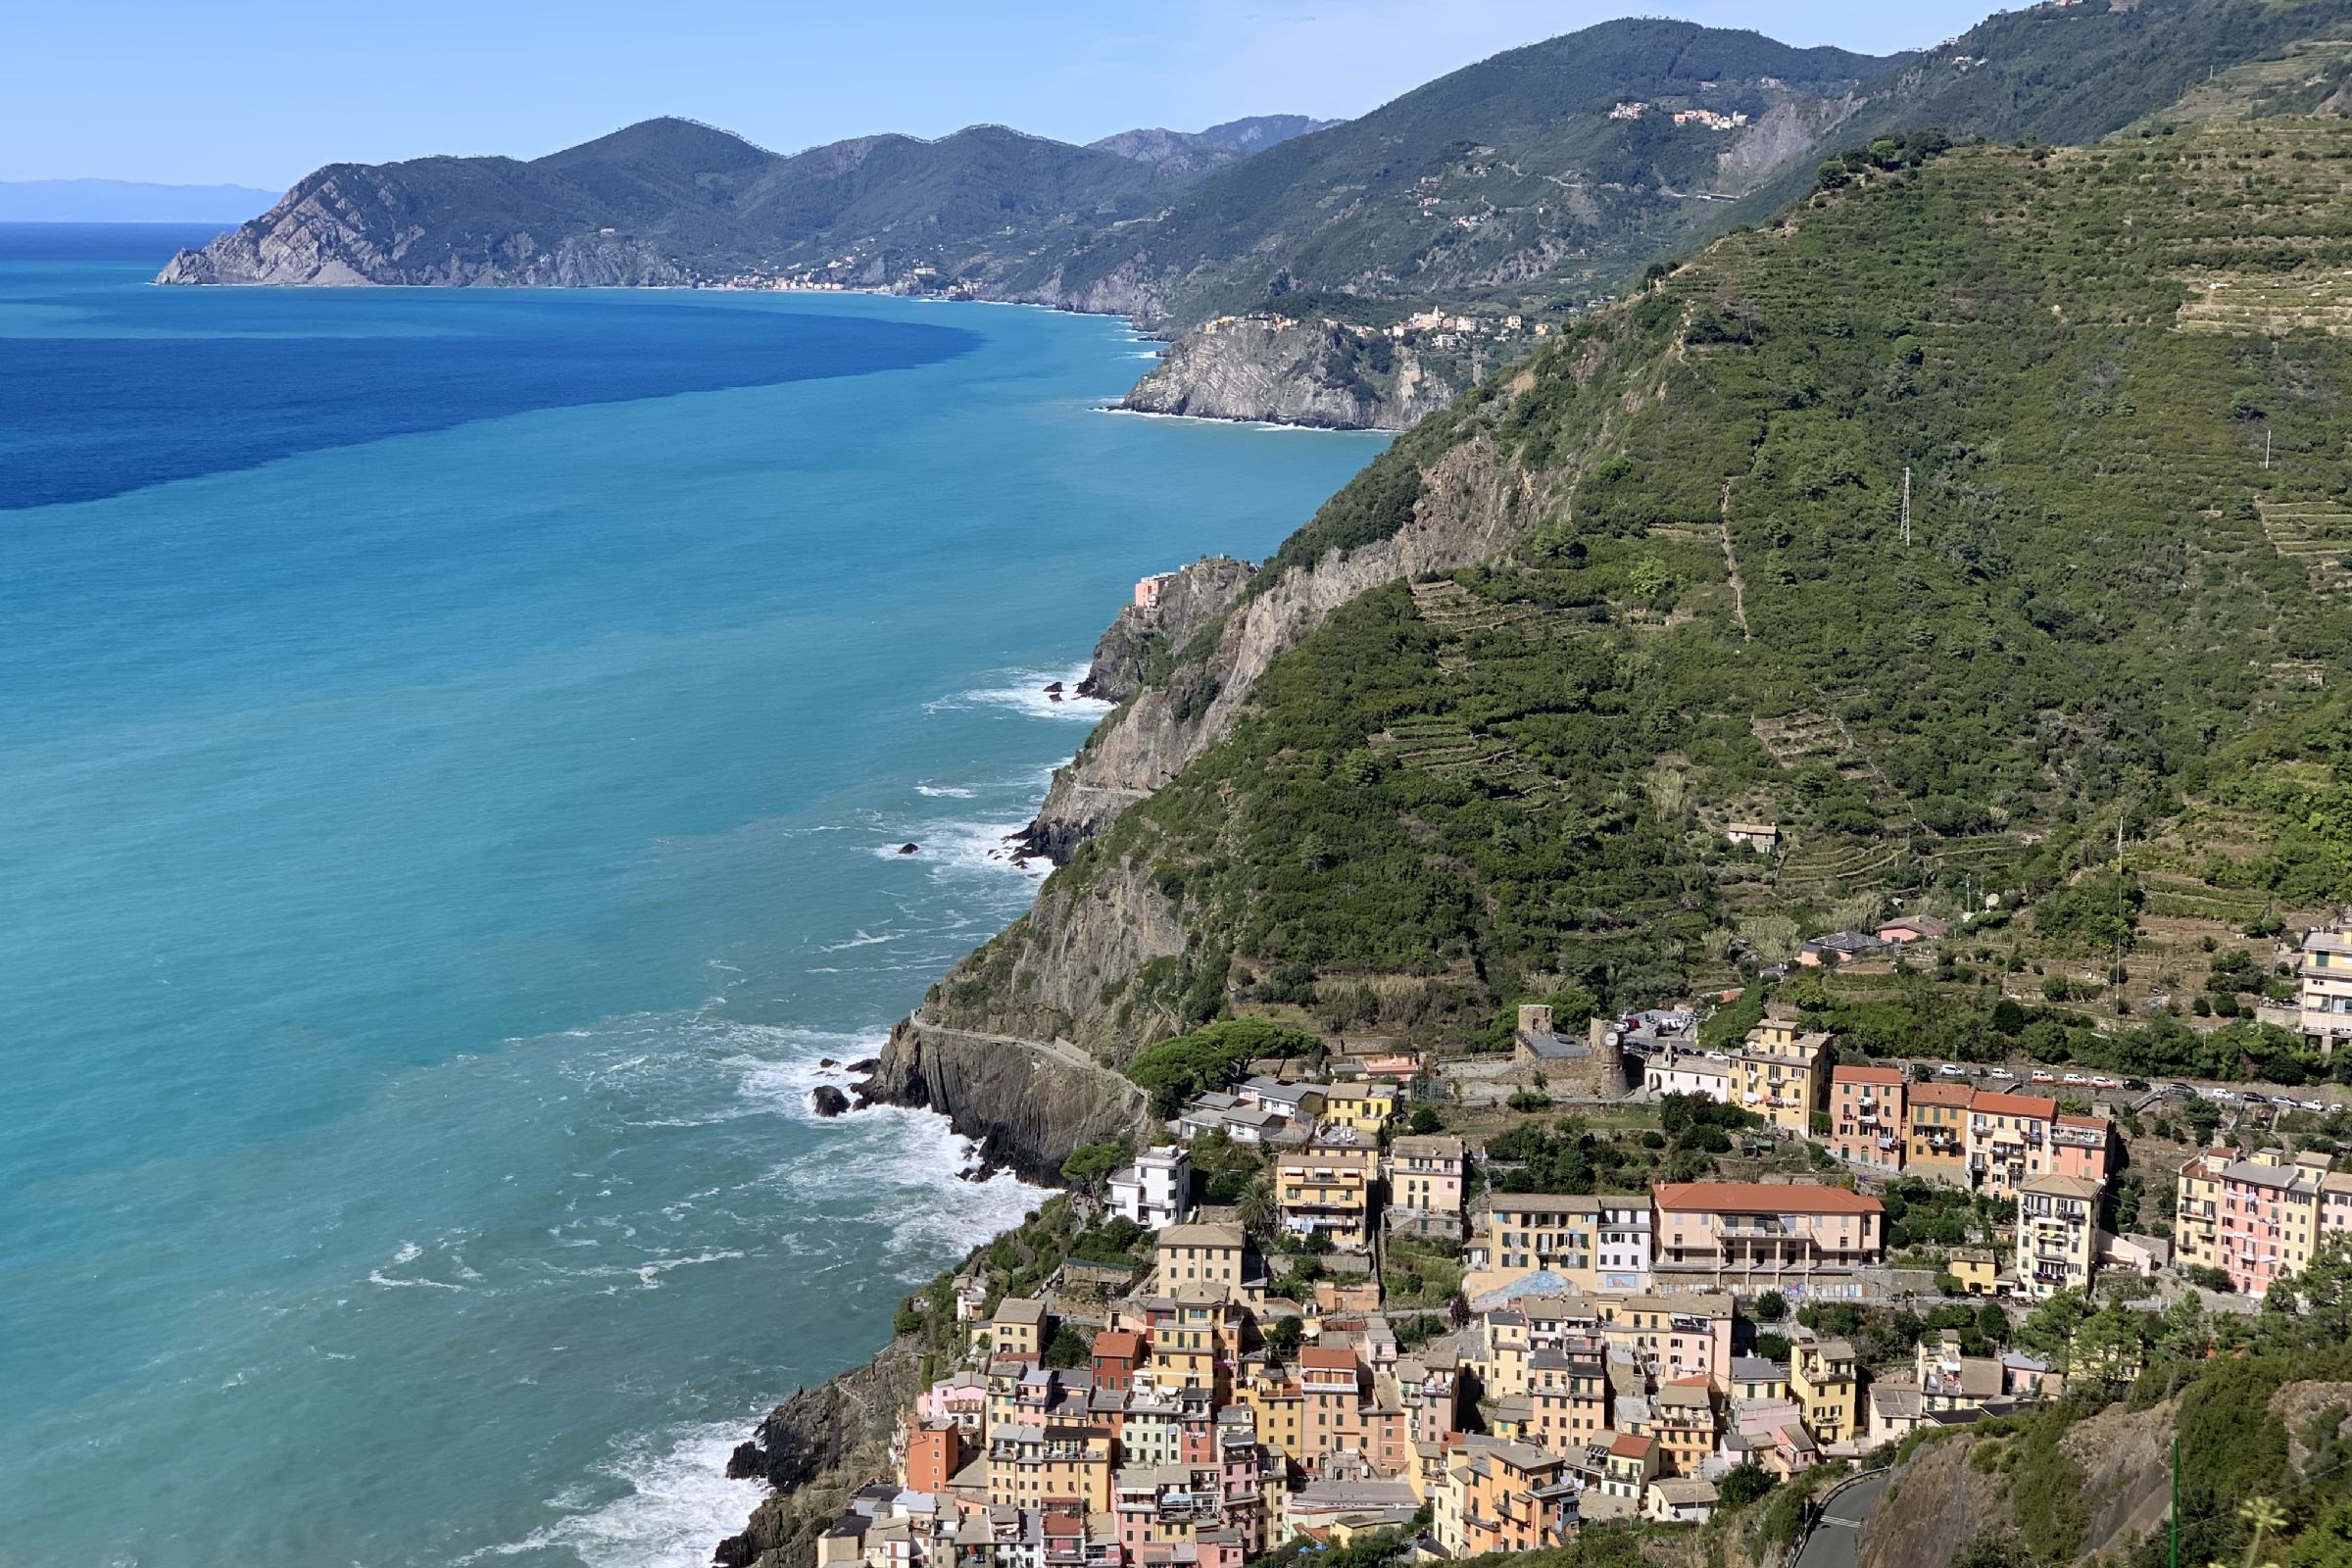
{"type": "Point", "coordinates": [1621, 1258]}
{"type": "Point", "coordinates": [1689, 1073]}
{"type": "Point", "coordinates": [1157, 1190]}
{"type": "Point", "coordinates": [2326, 988]}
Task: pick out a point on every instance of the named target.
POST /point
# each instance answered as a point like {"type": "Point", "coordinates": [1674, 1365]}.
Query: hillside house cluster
{"type": "Point", "coordinates": [1187, 1439]}
{"type": "Point", "coordinates": [2257, 1216]}
{"type": "Point", "coordinates": [2051, 1166]}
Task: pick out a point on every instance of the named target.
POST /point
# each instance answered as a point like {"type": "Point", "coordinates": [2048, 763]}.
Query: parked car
{"type": "Point", "coordinates": [2219, 1094]}
{"type": "Point", "coordinates": [1952, 1070]}
{"type": "Point", "coordinates": [2043, 1077]}
{"type": "Point", "coordinates": [2135, 1085]}
{"type": "Point", "coordinates": [2073, 1078]}
{"type": "Point", "coordinates": [1998, 1072]}
{"type": "Point", "coordinates": [2320, 1106]}
{"type": "Point", "coordinates": [2282, 1101]}
{"type": "Point", "coordinates": [2101, 1081]}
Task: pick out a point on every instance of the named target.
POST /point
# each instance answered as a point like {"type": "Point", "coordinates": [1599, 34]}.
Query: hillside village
{"type": "Point", "coordinates": [1313, 1316]}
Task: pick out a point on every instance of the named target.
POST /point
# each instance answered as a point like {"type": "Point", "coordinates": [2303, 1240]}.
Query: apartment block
{"type": "Point", "coordinates": [1424, 1175]}
{"type": "Point", "coordinates": [2057, 1234]}
{"type": "Point", "coordinates": [1326, 1188]}
{"type": "Point", "coordinates": [1762, 1231]}
{"type": "Point", "coordinates": [2323, 989]}
{"type": "Point", "coordinates": [1936, 1140]}
{"type": "Point", "coordinates": [1781, 1071]}
{"type": "Point", "coordinates": [1866, 1116]}
{"type": "Point", "coordinates": [1157, 1190]}
{"type": "Point", "coordinates": [2256, 1217]}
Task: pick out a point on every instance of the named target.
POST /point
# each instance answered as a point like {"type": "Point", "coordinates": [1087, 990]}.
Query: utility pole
{"type": "Point", "coordinates": [2176, 1520]}
{"type": "Point", "coordinates": [2266, 449]}
{"type": "Point", "coordinates": [1907, 497]}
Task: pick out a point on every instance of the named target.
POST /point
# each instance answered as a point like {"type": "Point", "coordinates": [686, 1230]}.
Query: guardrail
{"type": "Point", "coordinates": [1819, 1506]}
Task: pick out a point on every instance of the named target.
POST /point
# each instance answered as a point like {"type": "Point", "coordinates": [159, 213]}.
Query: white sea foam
{"type": "Point", "coordinates": [678, 1503]}
{"type": "Point", "coordinates": [864, 938]}
{"type": "Point", "coordinates": [1024, 692]}
{"type": "Point", "coordinates": [966, 846]}
{"type": "Point", "coordinates": [953, 792]}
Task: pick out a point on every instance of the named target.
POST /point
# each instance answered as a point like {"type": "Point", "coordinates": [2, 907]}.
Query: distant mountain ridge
{"type": "Point", "coordinates": [671, 200]}
{"type": "Point", "coordinates": [128, 201]}
{"type": "Point", "coordinates": [1217, 145]}
{"type": "Point", "coordinates": [1513, 194]}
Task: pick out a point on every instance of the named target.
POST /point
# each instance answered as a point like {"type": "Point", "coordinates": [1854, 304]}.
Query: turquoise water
{"type": "Point", "coordinates": [453, 748]}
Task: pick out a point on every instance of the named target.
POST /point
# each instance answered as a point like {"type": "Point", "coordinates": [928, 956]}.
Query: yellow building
{"type": "Point", "coordinates": [1782, 1072]}
{"type": "Point", "coordinates": [1364, 1108]}
{"type": "Point", "coordinates": [1501, 1496]}
{"type": "Point", "coordinates": [1196, 1334]}
{"type": "Point", "coordinates": [1976, 1268]}
{"type": "Point", "coordinates": [1684, 1425]}
{"type": "Point", "coordinates": [1018, 1328]}
{"type": "Point", "coordinates": [1273, 1396]}
{"type": "Point", "coordinates": [1031, 1464]}
{"type": "Point", "coordinates": [1521, 1232]}
{"type": "Point", "coordinates": [2057, 1234]}
{"type": "Point", "coordinates": [1203, 1254]}
{"type": "Point", "coordinates": [1822, 1380]}
{"type": "Point", "coordinates": [1936, 1138]}
{"type": "Point", "coordinates": [1326, 1188]}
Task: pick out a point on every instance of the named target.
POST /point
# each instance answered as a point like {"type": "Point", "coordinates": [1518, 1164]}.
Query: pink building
{"type": "Point", "coordinates": [2081, 1147]}
{"type": "Point", "coordinates": [1425, 1174]}
{"type": "Point", "coordinates": [1148, 590]}
{"type": "Point", "coordinates": [2256, 1217]}
{"type": "Point", "coordinates": [961, 1399]}
{"type": "Point", "coordinates": [1866, 1116]}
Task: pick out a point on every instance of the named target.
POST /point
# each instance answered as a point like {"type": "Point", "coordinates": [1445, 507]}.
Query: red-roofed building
{"type": "Point", "coordinates": [1756, 1231]}
{"type": "Point", "coordinates": [1117, 1354]}
{"type": "Point", "coordinates": [1866, 1116]}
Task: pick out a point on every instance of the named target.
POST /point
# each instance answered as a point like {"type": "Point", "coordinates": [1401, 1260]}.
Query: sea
{"type": "Point", "coordinates": [454, 753]}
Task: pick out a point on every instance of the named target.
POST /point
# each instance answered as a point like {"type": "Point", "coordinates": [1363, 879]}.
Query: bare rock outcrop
{"type": "Point", "coordinates": [1026, 1103]}
{"type": "Point", "coordinates": [1292, 372]}
{"type": "Point", "coordinates": [348, 226]}
{"type": "Point", "coordinates": [815, 1448]}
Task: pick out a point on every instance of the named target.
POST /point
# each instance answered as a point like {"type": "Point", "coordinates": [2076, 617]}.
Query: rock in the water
{"type": "Point", "coordinates": [827, 1062]}
{"type": "Point", "coordinates": [1054, 687]}
{"type": "Point", "coordinates": [868, 1065]}
{"type": "Point", "coordinates": [910, 849]}
{"type": "Point", "coordinates": [828, 1100]}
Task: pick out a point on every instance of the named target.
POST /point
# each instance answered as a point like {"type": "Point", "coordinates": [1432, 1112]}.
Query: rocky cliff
{"type": "Point", "coordinates": [1028, 1102]}
{"type": "Point", "coordinates": [1465, 514]}
{"type": "Point", "coordinates": [1141, 643]}
{"type": "Point", "coordinates": [348, 226]}
{"type": "Point", "coordinates": [1292, 372]}
{"type": "Point", "coordinates": [815, 1448]}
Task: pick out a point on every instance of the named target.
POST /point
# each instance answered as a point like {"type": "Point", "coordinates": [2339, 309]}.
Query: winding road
{"type": "Point", "coordinates": [1836, 1532]}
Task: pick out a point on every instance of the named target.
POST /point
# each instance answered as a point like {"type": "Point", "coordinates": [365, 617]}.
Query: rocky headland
{"type": "Point", "coordinates": [1292, 372]}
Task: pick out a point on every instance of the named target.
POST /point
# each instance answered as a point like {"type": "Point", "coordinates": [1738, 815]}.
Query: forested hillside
{"type": "Point", "coordinates": [2114, 378]}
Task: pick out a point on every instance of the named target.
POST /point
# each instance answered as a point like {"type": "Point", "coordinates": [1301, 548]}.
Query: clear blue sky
{"type": "Point", "coordinates": [262, 91]}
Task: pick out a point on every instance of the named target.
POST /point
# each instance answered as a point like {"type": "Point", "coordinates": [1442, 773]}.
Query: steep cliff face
{"type": "Point", "coordinates": [1054, 975]}
{"type": "Point", "coordinates": [1293, 373]}
{"type": "Point", "coordinates": [1143, 641]}
{"type": "Point", "coordinates": [349, 226]}
{"type": "Point", "coordinates": [815, 1448]}
{"type": "Point", "coordinates": [1028, 1102]}
{"type": "Point", "coordinates": [1465, 515]}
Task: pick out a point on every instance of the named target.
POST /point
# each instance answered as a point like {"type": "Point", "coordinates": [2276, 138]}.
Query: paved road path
{"type": "Point", "coordinates": [1831, 1544]}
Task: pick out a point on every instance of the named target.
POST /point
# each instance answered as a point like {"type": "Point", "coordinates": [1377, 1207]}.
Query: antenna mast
{"type": "Point", "coordinates": [1906, 506]}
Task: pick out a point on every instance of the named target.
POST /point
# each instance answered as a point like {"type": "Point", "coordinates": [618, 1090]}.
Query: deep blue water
{"type": "Point", "coordinates": [453, 745]}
